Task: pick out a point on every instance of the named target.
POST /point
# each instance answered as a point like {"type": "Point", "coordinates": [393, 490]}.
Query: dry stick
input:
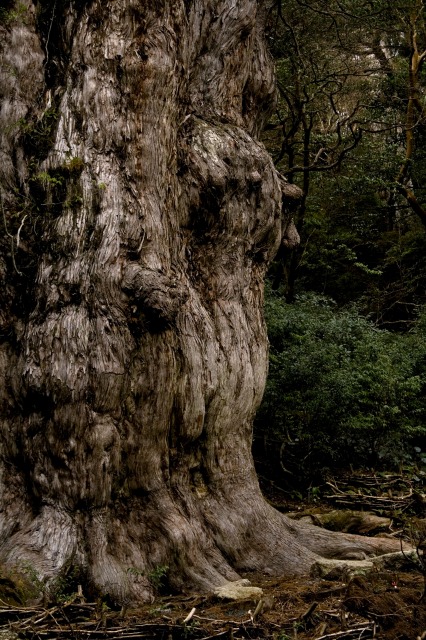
{"type": "Point", "coordinates": [114, 632]}
{"type": "Point", "coordinates": [305, 617]}
{"type": "Point", "coordinates": [47, 612]}
{"type": "Point", "coordinates": [67, 619]}
{"type": "Point", "coordinates": [66, 633]}
{"type": "Point", "coordinates": [373, 502]}
{"type": "Point", "coordinates": [258, 610]}
{"type": "Point", "coordinates": [218, 635]}
{"type": "Point", "coordinates": [134, 634]}
{"type": "Point", "coordinates": [336, 488]}
{"type": "Point", "coordinates": [380, 499]}
{"type": "Point", "coordinates": [218, 621]}
{"type": "Point", "coordinates": [189, 616]}
{"type": "Point", "coordinates": [16, 609]}
{"type": "Point", "coordinates": [56, 622]}
{"type": "Point", "coordinates": [348, 634]}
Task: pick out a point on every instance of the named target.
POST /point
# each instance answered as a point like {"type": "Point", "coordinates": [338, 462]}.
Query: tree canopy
{"type": "Point", "coordinates": [349, 129]}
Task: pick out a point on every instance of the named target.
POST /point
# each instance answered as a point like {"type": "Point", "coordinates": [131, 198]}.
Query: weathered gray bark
{"type": "Point", "coordinates": [140, 215]}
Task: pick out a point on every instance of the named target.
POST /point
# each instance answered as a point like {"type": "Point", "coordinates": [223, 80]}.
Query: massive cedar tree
{"type": "Point", "coordinates": [140, 214]}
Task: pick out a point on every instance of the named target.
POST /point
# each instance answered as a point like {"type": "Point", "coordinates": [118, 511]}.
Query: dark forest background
{"type": "Point", "coordinates": [346, 311]}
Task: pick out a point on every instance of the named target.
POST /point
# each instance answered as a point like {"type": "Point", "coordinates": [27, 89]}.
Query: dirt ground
{"type": "Point", "coordinates": [382, 605]}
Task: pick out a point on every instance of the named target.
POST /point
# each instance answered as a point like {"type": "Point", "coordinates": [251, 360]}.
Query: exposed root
{"type": "Point", "coordinates": [199, 544]}
{"type": "Point", "coordinates": [331, 544]}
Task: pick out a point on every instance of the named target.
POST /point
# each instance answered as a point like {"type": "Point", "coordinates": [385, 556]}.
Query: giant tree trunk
{"type": "Point", "coordinates": [140, 213]}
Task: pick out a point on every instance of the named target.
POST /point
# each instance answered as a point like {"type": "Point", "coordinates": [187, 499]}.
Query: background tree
{"type": "Point", "coordinates": [349, 130]}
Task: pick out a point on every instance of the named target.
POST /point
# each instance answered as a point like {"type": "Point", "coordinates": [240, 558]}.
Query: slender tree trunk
{"type": "Point", "coordinates": [140, 214]}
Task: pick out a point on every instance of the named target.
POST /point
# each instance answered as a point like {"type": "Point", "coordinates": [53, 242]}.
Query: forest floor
{"type": "Point", "coordinates": [302, 609]}
{"type": "Point", "coordinates": [386, 605]}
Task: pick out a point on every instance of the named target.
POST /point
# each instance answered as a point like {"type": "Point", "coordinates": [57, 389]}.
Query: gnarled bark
{"type": "Point", "coordinates": [141, 213]}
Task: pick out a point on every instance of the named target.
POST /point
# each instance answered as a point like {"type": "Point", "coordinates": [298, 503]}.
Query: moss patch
{"type": "Point", "coordinates": [18, 586]}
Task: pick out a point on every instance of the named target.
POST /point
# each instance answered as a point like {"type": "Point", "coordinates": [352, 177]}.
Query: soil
{"type": "Point", "coordinates": [383, 606]}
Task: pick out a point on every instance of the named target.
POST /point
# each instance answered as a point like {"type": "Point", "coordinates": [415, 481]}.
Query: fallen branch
{"type": "Point", "coordinates": [371, 502]}
{"type": "Point", "coordinates": [355, 633]}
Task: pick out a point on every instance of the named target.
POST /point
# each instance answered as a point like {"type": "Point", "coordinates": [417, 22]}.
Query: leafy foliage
{"type": "Point", "coordinates": [347, 363]}
{"type": "Point", "coordinates": [12, 12]}
{"type": "Point", "coordinates": [340, 391]}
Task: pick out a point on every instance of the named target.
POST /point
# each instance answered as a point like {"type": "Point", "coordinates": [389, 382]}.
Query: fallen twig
{"type": "Point", "coordinates": [356, 633]}
{"type": "Point", "coordinates": [189, 616]}
{"type": "Point", "coordinates": [308, 614]}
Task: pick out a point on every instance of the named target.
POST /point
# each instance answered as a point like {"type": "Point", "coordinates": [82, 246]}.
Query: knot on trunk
{"type": "Point", "coordinates": [157, 295]}
{"type": "Point", "coordinates": [291, 195]}
{"type": "Point", "coordinates": [291, 238]}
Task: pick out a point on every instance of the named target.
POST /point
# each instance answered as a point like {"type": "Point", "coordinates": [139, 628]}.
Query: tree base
{"type": "Point", "coordinates": [195, 543]}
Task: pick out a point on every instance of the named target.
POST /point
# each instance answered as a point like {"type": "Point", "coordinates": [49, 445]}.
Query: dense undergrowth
{"type": "Point", "coordinates": [341, 393]}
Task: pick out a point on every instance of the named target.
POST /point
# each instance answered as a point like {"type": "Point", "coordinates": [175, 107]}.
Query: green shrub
{"type": "Point", "coordinates": [340, 391]}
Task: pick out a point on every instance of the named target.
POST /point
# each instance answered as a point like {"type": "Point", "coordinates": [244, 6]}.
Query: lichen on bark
{"type": "Point", "coordinates": [133, 349]}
